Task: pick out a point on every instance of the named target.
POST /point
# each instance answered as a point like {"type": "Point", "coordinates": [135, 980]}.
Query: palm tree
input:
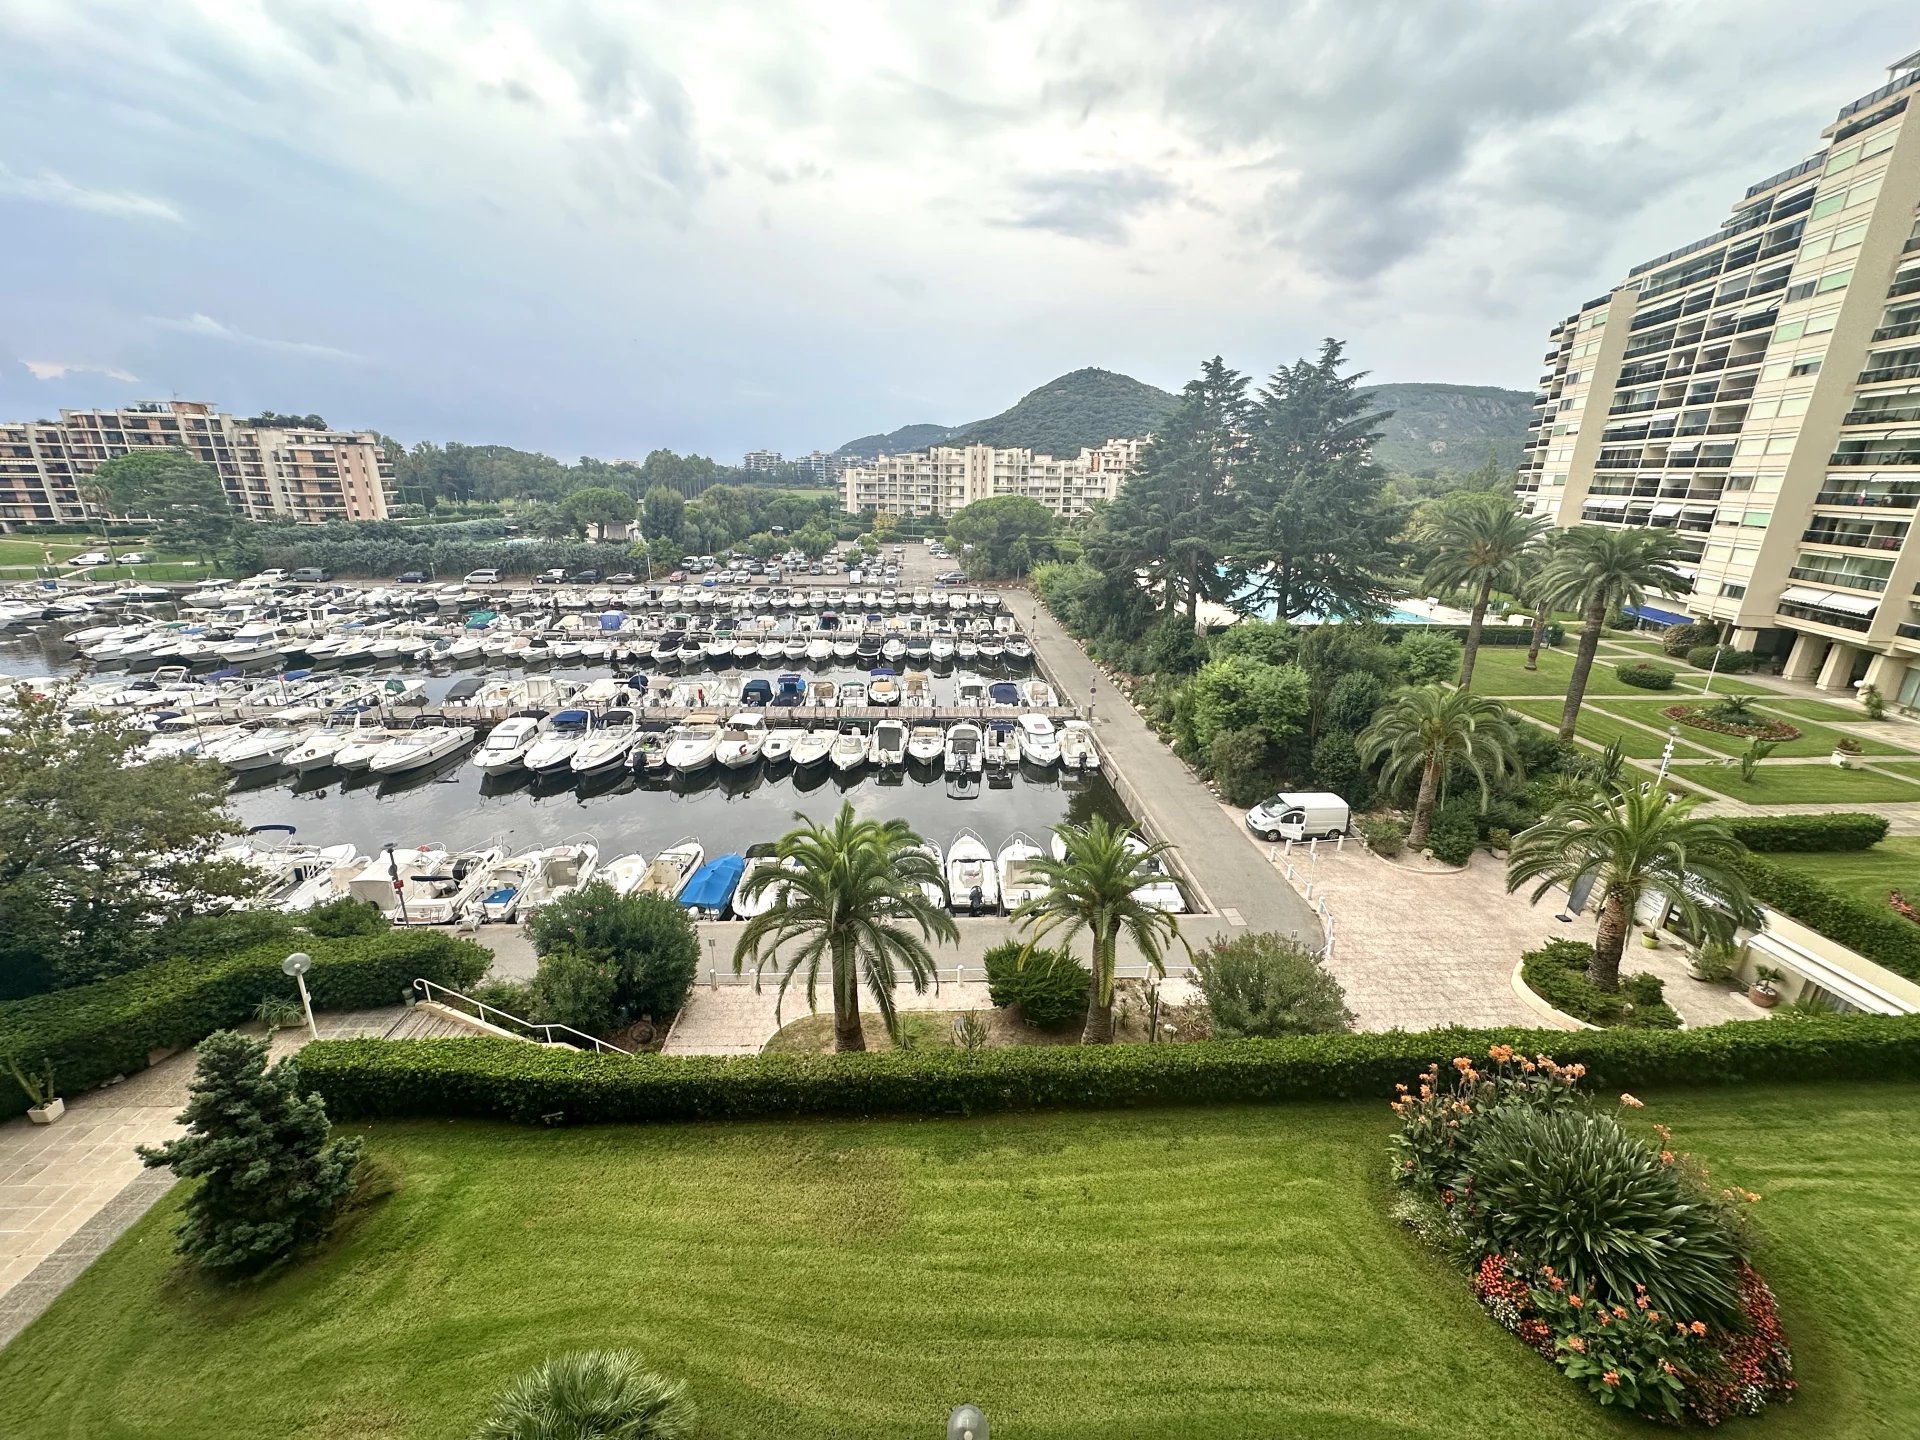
{"type": "Point", "coordinates": [591, 1395]}
{"type": "Point", "coordinates": [1633, 844]}
{"type": "Point", "coordinates": [1597, 570]}
{"type": "Point", "coordinates": [1430, 729]}
{"type": "Point", "coordinates": [852, 891]}
{"type": "Point", "coordinates": [1479, 541]}
{"type": "Point", "coordinates": [1094, 888]}
{"type": "Point", "coordinates": [1539, 562]}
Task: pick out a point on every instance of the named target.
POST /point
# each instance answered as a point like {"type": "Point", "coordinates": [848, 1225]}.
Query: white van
{"type": "Point", "coordinates": [1314, 815]}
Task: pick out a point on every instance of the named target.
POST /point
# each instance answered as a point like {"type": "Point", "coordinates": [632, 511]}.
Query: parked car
{"type": "Point", "coordinates": [311, 575]}
{"type": "Point", "coordinates": [411, 577]}
{"type": "Point", "coordinates": [488, 576]}
{"type": "Point", "coordinates": [136, 557]}
{"type": "Point", "coordinates": [1310, 815]}
{"type": "Point", "coordinates": [951, 577]}
{"type": "Point", "coordinates": [623, 577]}
{"type": "Point", "coordinates": [678, 577]}
{"type": "Point", "coordinates": [92, 557]}
{"type": "Point", "coordinates": [555, 576]}
{"type": "Point", "coordinates": [588, 576]}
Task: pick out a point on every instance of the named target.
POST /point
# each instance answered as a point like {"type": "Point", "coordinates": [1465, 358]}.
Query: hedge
{"type": "Point", "coordinates": [513, 1080]}
{"type": "Point", "coordinates": [1882, 936]}
{"type": "Point", "coordinates": [92, 1033]}
{"type": "Point", "coordinates": [1838, 830]}
{"type": "Point", "coordinates": [1492, 633]}
{"type": "Point", "coordinates": [1646, 675]}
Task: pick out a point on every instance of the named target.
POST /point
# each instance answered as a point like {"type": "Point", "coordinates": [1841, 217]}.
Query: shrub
{"type": "Point", "coordinates": [270, 1179]}
{"type": "Point", "coordinates": [511, 1080]}
{"type": "Point", "coordinates": [1455, 833]}
{"type": "Point", "coordinates": [649, 943]}
{"type": "Point", "coordinates": [1352, 701]}
{"type": "Point", "coordinates": [1679, 639]}
{"type": "Point", "coordinates": [92, 1033]}
{"type": "Point", "coordinates": [342, 916]}
{"type": "Point", "coordinates": [1239, 761]}
{"type": "Point", "coordinates": [1882, 937]}
{"type": "Point", "coordinates": [1557, 973]}
{"type": "Point", "coordinates": [1385, 835]}
{"type": "Point", "coordinates": [212, 937]}
{"type": "Point", "coordinates": [591, 1393]}
{"type": "Point", "coordinates": [1701, 656]}
{"type": "Point", "coordinates": [1836, 830]}
{"type": "Point", "coordinates": [1048, 986]}
{"type": "Point", "coordinates": [1336, 765]}
{"type": "Point", "coordinates": [1570, 1190]}
{"type": "Point", "coordinates": [1265, 986]}
{"type": "Point", "coordinates": [1646, 675]}
{"type": "Point", "coordinates": [581, 991]}
{"type": "Point", "coordinates": [1724, 658]}
{"type": "Point", "coordinates": [1425, 657]}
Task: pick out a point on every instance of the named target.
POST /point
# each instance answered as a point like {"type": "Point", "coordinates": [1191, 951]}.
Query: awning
{"type": "Point", "coordinates": [1604, 502]}
{"type": "Point", "coordinates": [1686, 570]}
{"type": "Point", "coordinates": [1851, 604]}
{"type": "Point", "coordinates": [1698, 512]}
{"type": "Point", "coordinates": [1684, 445]}
{"type": "Point", "coordinates": [1655, 615]}
{"type": "Point", "coordinates": [1805, 595]}
{"type": "Point", "coordinates": [1663, 512]}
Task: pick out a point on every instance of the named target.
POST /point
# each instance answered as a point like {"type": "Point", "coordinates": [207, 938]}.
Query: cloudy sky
{"type": "Point", "coordinates": [598, 228]}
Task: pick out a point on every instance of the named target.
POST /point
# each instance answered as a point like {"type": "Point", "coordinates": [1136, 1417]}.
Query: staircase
{"type": "Point", "coordinates": [439, 1019]}
{"type": "Point", "coordinates": [436, 1022]}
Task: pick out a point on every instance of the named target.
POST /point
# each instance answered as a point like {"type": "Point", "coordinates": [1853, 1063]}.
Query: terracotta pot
{"type": "Point", "coordinates": [1766, 997]}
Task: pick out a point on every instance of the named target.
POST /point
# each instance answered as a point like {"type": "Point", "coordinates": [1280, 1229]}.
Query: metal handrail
{"type": "Point", "coordinates": [427, 987]}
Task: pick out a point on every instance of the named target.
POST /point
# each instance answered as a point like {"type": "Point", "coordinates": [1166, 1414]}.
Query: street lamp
{"type": "Point", "coordinates": [967, 1423]}
{"type": "Point", "coordinates": [297, 965]}
{"type": "Point", "coordinates": [399, 888]}
{"type": "Point", "coordinates": [1666, 754]}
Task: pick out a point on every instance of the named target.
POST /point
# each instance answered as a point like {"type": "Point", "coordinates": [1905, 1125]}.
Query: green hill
{"type": "Point", "coordinates": [1434, 427]}
{"type": "Point", "coordinates": [1449, 427]}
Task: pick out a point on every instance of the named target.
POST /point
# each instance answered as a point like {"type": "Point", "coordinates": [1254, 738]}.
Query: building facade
{"type": "Point", "coordinates": [946, 478]}
{"type": "Point", "coordinates": [1758, 392]}
{"type": "Point", "coordinates": [310, 476]}
{"type": "Point", "coordinates": [761, 460]}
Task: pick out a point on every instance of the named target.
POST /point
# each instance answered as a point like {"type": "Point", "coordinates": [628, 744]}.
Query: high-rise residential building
{"type": "Point", "coordinates": [1758, 391]}
{"type": "Point", "coordinates": [818, 465]}
{"type": "Point", "coordinates": [946, 478]}
{"type": "Point", "coordinates": [761, 460]}
{"type": "Point", "coordinates": [304, 475]}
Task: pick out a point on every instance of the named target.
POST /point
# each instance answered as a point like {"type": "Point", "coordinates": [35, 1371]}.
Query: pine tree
{"type": "Point", "coordinates": [271, 1180]}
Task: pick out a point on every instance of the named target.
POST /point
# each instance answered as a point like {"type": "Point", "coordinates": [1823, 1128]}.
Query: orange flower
{"type": "Point", "coordinates": [1631, 1103]}
{"type": "Point", "coordinates": [1612, 1377]}
{"type": "Point", "coordinates": [1698, 1328]}
{"type": "Point", "coordinates": [1575, 1301]}
{"type": "Point", "coordinates": [1576, 1344]}
{"type": "Point", "coordinates": [1502, 1053]}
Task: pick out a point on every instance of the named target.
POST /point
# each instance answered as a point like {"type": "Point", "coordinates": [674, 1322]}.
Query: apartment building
{"type": "Point", "coordinates": [761, 460]}
{"type": "Point", "coordinates": [268, 474]}
{"type": "Point", "coordinates": [1758, 392]}
{"type": "Point", "coordinates": [946, 478]}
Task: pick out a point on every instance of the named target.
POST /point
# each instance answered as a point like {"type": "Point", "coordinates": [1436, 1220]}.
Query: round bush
{"type": "Point", "coordinates": [1646, 675]}
{"type": "Point", "coordinates": [1048, 987]}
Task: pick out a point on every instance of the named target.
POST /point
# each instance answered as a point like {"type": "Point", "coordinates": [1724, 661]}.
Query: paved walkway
{"type": "Point", "coordinates": [1218, 853]}
{"type": "Point", "coordinates": [1418, 949]}
{"type": "Point", "coordinates": [69, 1189]}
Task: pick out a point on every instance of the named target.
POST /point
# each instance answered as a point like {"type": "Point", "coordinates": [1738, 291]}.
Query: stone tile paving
{"type": "Point", "coordinates": [57, 1180]}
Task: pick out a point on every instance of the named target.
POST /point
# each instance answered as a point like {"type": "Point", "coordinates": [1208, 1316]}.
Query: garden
{"type": "Point", "coordinates": [1225, 1272]}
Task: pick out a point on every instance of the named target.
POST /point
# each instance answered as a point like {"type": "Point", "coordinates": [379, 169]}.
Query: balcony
{"type": "Point", "coordinates": [1889, 415]}
{"type": "Point", "coordinates": [1879, 500]}
{"type": "Point", "coordinates": [1908, 284]}
{"type": "Point", "coordinates": [1855, 539]}
{"type": "Point", "coordinates": [1841, 578]}
{"type": "Point", "coordinates": [1874, 457]}
{"type": "Point", "coordinates": [1895, 332]}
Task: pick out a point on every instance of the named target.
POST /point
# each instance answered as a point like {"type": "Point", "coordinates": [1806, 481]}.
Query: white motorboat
{"type": "Point", "coordinates": [1019, 881]}
{"type": "Point", "coordinates": [813, 747]}
{"type": "Point", "coordinates": [667, 876]}
{"type": "Point", "coordinates": [991, 648]}
{"type": "Point", "coordinates": [262, 750]}
{"type": "Point", "coordinates": [694, 747]}
{"type": "Point", "coordinates": [443, 896]}
{"type": "Point", "coordinates": [610, 743]}
{"type": "Point", "coordinates": [941, 648]}
{"type": "Point", "coordinates": [742, 741]}
{"type": "Point", "coordinates": [1019, 649]}
{"type": "Point", "coordinates": [557, 872]}
{"type": "Point", "coordinates": [1078, 750]}
{"type": "Point", "coordinates": [973, 885]}
{"type": "Point", "coordinates": [1001, 747]}
{"type": "Point", "coordinates": [1039, 694]}
{"type": "Point", "coordinates": [500, 900]}
{"type": "Point", "coordinates": [883, 689]}
{"type": "Point", "coordinates": [320, 878]}
{"type": "Point", "coordinates": [934, 890]}
{"type": "Point", "coordinates": [819, 651]}
{"type": "Point", "coordinates": [318, 749]}
{"type": "Point", "coordinates": [420, 747]}
{"type": "Point", "coordinates": [853, 695]}
{"type": "Point", "coordinates": [505, 748]}
{"type": "Point", "coordinates": [561, 734]}
{"type": "Point", "coordinates": [779, 744]}
{"type": "Point", "coordinates": [963, 749]}
{"type": "Point", "coordinates": [966, 648]}
{"type": "Point", "coordinates": [1039, 744]}
{"type": "Point", "coordinates": [624, 873]}
{"type": "Point", "coordinates": [889, 745]}
{"type": "Point", "coordinates": [760, 857]}
{"type": "Point", "coordinates": [846, 646]}
{"type": "Point", "coordinates": [850, 747]}
{"type": "Point", "coordinates": [926, 744]}
{"type": "Point", "coordinates": [367, 742]}
{"type": "Point", "coordinates": [970, 693]}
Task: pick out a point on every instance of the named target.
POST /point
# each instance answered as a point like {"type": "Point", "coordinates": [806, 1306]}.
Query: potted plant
{"type": "Point", "coordinates": [1844, 750]}
{"type": "Point", "coordinates": [45, 1107]}
{"type": "Point", "coordinates": [1765, 990]}
{"type": "Point", "coordinates": [1714, 962]}
{"type": "Point", "coordinates": [1650, 939]}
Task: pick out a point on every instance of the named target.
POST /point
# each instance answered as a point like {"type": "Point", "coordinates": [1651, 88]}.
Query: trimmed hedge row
{"type": "Point", "coordinates": [1492, 633]}
{"type": "Point", "coordinates": [512, 1080]}
{"type": "Point", "coordinates": [1838, 830]}
{"type": "Point", "coordinates": [93, 1032]}
{"type": "Point", "coordinates": [1880, 935]}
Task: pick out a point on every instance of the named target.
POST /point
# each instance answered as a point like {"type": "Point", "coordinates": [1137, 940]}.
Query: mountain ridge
{"type": "Point", "coordinates": [1435, 426]}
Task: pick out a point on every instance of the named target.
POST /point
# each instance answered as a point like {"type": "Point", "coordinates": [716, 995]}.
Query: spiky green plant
{"type": "Point", "coordinates": [590, 1395]}
{"type": "Point", "coordinates": [1427, 730]}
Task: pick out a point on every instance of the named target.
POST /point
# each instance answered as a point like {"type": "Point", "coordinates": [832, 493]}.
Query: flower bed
{"type": "Point", "coordinates": [1557, 973]}
{"type": "Point", "coordinates": [1648, 1302]}
{"type": "Point", "coordinates": [1760, 730]}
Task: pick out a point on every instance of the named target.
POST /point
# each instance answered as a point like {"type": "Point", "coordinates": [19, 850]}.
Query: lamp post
{"type": "Point", "coordinates": [399, 889]}
{"type": "Point", "coordinates": [1666, 754]}
{"type": "Point", "coordinates": [297, 965]}
{"type": "Point", "coordinates": [967, 1423]}
{"type": "Point", "coordinates": [1712, 670]}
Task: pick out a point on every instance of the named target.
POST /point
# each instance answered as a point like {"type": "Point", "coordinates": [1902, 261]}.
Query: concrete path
{"type": "Point", "coordinates": [1216, 850]}
{"type": "Point", "coordinates": [69, 1189]}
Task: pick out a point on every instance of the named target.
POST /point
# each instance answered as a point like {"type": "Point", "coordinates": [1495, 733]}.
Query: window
{"type": "Point", "coordinates": [1842, 160]}
{"type": "Point", "coordinates": [1833, 280]}
{"type": "Point", "coordinates": [1763, 409]}
{"type": "Point", "coordinates": [1792, 330]}
{"type": "Point", "coordinates": [1757, 518]}
{"type": "Point", "coordinates": [1879, 144]}
{"type": "Point", "coordinates": [1781, 444]}
{"type": "Point", "coordinates": [1796, 404]}
{"type": "Point", "coordinates": [1805, 367]}
{"type": "Point", "coordinates": [1864, 192]}
{"type": "Point", "coordinates": [1832, 204]}
{"type": "Point", "coordinates": [1816, 247]}
{"type": "Point", "coordinates": [1847, 236]}
{"type": "Point", "coordinates": [1733, 592]}
{"type": "Point", "coordinates": [1822, 321]}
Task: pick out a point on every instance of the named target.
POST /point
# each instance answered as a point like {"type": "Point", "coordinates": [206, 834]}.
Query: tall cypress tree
{"type": "Point", "coordinates": [1316, 528]}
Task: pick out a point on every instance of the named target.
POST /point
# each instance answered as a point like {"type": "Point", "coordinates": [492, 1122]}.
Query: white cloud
{"type": "Point", "coordinates": [59, 369]}
{"type": "Point", "coordinates": [208, 328]}
{"type": "Point", "coordinates": [54, 189]}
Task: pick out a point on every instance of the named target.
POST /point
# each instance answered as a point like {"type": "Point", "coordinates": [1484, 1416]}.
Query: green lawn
{"type": "Point", "coordinates": [1597, 726]}
{"type": "Point", "coordinates": [1503, 671]}
{"type": "Point", "coordinates": [1867, 875]}
{"type": "Point", "coordinates": [1817, 710]}
{"type": "Point", "coordinates": [24, 559]}
{"type": "Point", "coordinates": [1204, 1273]}
{"type": "Point", "coordinates": [1804, 784]}
{"type": "Point", "coordinates": [1814, 740]}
